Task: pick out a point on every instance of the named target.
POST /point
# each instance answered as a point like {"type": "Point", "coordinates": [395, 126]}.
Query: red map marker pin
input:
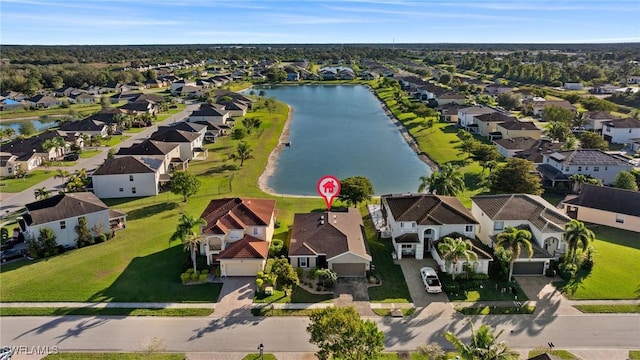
{"type": "Point", "coordinates": [328, 187]}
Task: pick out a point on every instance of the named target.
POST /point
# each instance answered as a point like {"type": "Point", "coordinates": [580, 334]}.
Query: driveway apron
{"type": "Point", "coordinates": [236, 297]}
{"type": "Point", "coordinates": [353, 292]}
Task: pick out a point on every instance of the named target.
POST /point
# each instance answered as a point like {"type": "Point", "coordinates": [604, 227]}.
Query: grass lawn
{"type": "Point", "coordinates": [114, 356]}
{"type": "Point", "coordinates": [299, 295]}
{"type": "Point", "coordinates": [115, 140]}
{"type": "Point", "coordinates": [8, 185]}
{"type": "Point", "coordinates": [264, 356]}
{"type": "Point", "coordinates": [387, 312]}
{"type": "Point", "coordinates": [634, 354]}
{"type": "Point", "coordinates": [481, 290]}
{"type": "Point", "coordinates": [608, 309]}
{"type": "Point", "coordinates": [38, 311]}
{"type": "Point", "coordinates": [502, 310]}
{"type": "Point", "coordinates": [562, 354]}
{"type": "Point", "coordinates": [265, 311]}
{"type": "Point", "coordinates": [89, 153]}
{"type": "Point", "coordinates": [616, 269]}
{"type": "Point", "coordinates": [82, 109]}
{"type": "Point", "coordinates": [135, 130]}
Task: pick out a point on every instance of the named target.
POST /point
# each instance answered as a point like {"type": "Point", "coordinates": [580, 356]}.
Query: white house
{"type": "Point", "coordinates": [238, 234]}
{"type": "Point", "coordinates": [129, 176]}
{"type": "Point", "coordinates": [87, 126]}
{"type": "Point", "coordinates": [172, 159]}
{"type": "Point", "coordinates": [560, 165]}
{"type": "Point", "coordinates": [497, 212]}
{"type": "Point", "coordinates": [417, 220]}
{"type": "Point", "coordinates": [62, 212]}
{"type": "Point", "coordinates": [621, 131]}
{"type": "Point", "coordinates": [618, 208]}
{"type": "Point", "coordinates": [190, 142]}
{"type": "Point", "coordinates": [330, 240]}
{"type": "Point", "coordinates": [210, 113]}
{"type": "Point", "coordinates": [573, 86]}
{"type": "Point", "coordinates": [595, 119]}
{"type": "Point", "coordinates": [466, 116]}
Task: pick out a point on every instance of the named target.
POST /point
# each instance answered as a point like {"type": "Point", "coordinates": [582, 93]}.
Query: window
{"type": "Point", "coordinates": [10, 170]}
{"type": "Point", "coordinates": [596, 168]}
{"type": "Point", "coordinates": [468, 228]}
{"type": "Point", "coordinates": [406, 246]}
{"type": "Point", "coordinates": [498, 225]}
{"type": "Point", "coordinates": [63, 225]}
{"type": "Point", "coordinates": [130, 177]}
{"type": "Point", "coordinates": [121, 189]}
{"type": "Point", "coordinates": [255, 231]}
{"type": "Point", "coordinates": [579, 168]}
{"type": "Point", "coordinates": [566, 168]}
{"type": "Point", "coordinates": [303, 262]}
{"type": "Point", "coordinates": [401, 225]}
{"type": "Point", "coordinates": [133, 190]}
{"type": "Point", "coordinates": [620, 219]}
{"type": "Point", "coordinates": [586, 168]}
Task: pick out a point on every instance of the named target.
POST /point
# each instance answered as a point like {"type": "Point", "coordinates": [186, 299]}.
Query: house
{"type": "Point", "coordinates": [526, 148]}
{"type": "Point", "coordinates": [538, 106]}
{"type": "Point", "coordinates": [190, 142]}
{"type": "Point", "coordinates": [169, 152]}
{"type": "Point", "coordinates": [186, 126]}
{"type": "Point", "coordinates": [130, 176]}
{"type": "Point", "coordinates": [30, 151]}
{"type": "Point", "coordinates": [467, 116]}
{"type": "Point", "coordinates": [82, 98]}
{"type": "Point", "coordinates": [62, 212]}
{"type": "Point", "coordinates": [621, 131]}
{"type": "Point", "coordinates": [417, 220]}
{"type": "Point", "coordinates": [517, 128]}
{"type": "Point", "coordinates": [87, 127]}
{"type": "Point", "coordinates": [487, 123]}
{"type": "Point", "coordinates": [211, 114]}
{"type": "Point", "coordinates": [479, 266]}
{"type": "Point", "coordinates": [449, 112]}
{"type": "Point", "coordinates": [293, 76]}
{"type": "Point", "coordinates": [531, 212]}
{"type": "Point", "coordinates": [10, 104]}
{"type": "Point", "coordinates": [238, 234]}
{"type": "Point", "coordinates": [176, 86]}
{"type": "Point", "coordinates": [594, 120]}
{"type": "Point", "coordinates": [141, 107]}
{"type": "Point", "coordinates": [236, 108]}
{"type": "Point", "coordinates": [618, 208]}
{"type": "Point", "coordinates": [43, 101]}
{"type": "Point", "coordinates": [330, 240]}
{"type": "Point", "coordinates": [604, 89]}
{"type": "Point", "coordinates": [560, 165]}
{"type": "Point", "coordinates": [64, 91]}
{"type": "Point", "coordinates": [497, 89]}
{"type": "Point", "coordinates": [573, 86]}
{"type": "Point", "coordinates": [8, 164]}
{"type": "Point", "coordinates": [451, 98]}
{"type": "Point", "coordinates": [635, 145]}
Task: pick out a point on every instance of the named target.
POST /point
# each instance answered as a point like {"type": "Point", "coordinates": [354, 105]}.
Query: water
{"type": "Point", "coordinates": [341, 130]}
{"type": "Point", "coordinates": [40, 125]}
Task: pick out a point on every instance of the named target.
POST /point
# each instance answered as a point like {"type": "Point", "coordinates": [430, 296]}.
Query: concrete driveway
{"type": "Point", "coordinates": [411, 271]}
{"type": "Point", "coordinates": [236, 297]}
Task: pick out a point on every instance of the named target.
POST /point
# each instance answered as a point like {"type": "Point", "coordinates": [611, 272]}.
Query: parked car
{"type": "Point", "coordinates": [430, 279]}
{"type": "Point", "coordinates": [12, 253]}
{"type": "Point", "coordinates": [71, 157]}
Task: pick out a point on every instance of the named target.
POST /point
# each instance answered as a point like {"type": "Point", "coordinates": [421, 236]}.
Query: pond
{"type": "Point", "coordinates": [341, 130]}
{"type": "Point", "coordinates": [38, 124]}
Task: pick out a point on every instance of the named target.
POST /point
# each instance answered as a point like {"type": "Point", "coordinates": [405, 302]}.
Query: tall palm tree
{"type": "Point", "coordinates": [448, 181]}
{"type": "Point", "coordinates": [577, 235]}
{"type": "Point", "coordinates": [484, 345]}
{"type": "Point", "coordinates": [454, 250]}
{"type": "Point", "coordinates": [41, 193]}
{"type": "Point", "coordinates": [243, 152]}
{"type": "Point", "coordinates": [185, 233]}
{"type": "Point", "coordinates": [513, 240]}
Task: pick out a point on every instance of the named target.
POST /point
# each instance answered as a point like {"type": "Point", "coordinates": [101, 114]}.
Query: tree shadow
{"type": "Point", "coordinates": [74, 331]}
{"type": "Point", "coordinates": [235, 318]}
{"type": "Point", "coordinates": [473, 181]}
{"type": "Point", "coordinates": [150, 210]}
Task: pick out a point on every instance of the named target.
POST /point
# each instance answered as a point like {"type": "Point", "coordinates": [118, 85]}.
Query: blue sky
{"type": "Point", "coordinates": [49, 22]}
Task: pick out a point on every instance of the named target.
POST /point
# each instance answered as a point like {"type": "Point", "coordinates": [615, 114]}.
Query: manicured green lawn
{"type": "Point", "coordinates": [487, 310]}
{"type": "Point", "coordinates": [482, 290]}
{"type": "Point", "coordinates": [608, 309]}
{"type": "Point", "coordinates": [115, 140]}
{"type": "Point", "coordinates": [299, 295]}
{"type": "Point", "coordinates": [265, 356]}
{"type": "Point", "coordinates": [562, 354]}
{"type": "Point", "coordinates": [89, 153]}
{"type": "Point", "coordinates": [39, 311]}
{"type": "Point", "coordinates": [634, 354]}
{"type": "Point", "coordinates": [615, 274]}
{"type": "Point", "coordinates": [114, 356]}
{"type": "Point", "coordinates": [8, 185]}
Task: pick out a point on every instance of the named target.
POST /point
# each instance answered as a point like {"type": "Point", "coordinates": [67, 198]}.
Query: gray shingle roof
{"type": "Point", "coordinates": [148, 147]}
{"type": "Point", "coordinates": [123, 165]}
{"type": "Point", "coordinates": [611, 199]}
{"type": "Point", "coordinates": [428, 209]}
{"type": "Point", "coordinates": [587, 157]}
{"type": "Point", "coordinates": [627, 123]}
{"type": "Point", "coordinates": [63, 206]}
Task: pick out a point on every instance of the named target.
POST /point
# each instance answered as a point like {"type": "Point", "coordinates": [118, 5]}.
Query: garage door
{"type": "Point", "coordinates": [528, 268]}
{"type": "Point", "coordinates": [349, 270]}
{"type": "Point", "coordinates": [242, 269]}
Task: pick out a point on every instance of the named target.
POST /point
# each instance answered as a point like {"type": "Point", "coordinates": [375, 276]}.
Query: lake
{"type": "Point", "coordinates": [341, 130]}
{"type": "Point", "coordinates": [38, 124]}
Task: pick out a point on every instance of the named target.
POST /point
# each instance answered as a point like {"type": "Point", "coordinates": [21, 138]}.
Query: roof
{"type": "Point", "coordinates": [525, 207]}
{"type": "Point", "coordinates": [627, 123]}
{"type": "Point", "coordinates": [518, 125]}
{"type": "Point", "coordinates": [477, 246]}
{"type": "Point", "coordinates": [63, 206]}
{"type": "Point", "coordinates": [619, 201]}
{"type": "Point", "coordinates": [225, 214]}
{"type": "Point", "coordinates": [535, 152]}
{"type": "Point", "coordinates": [452, 96]}
{"type": "Point", "coordinates": [599, 115]}
{"type": "Point", "coordinates": [587, 157]}
{"type": "Point", "coordinates": [477, 110]}
{"type": "Point", "coordinates": [248, 247]}
{"type": "Point", "coordinates": [83, 125]}
{"type": "Point", "coordinates": [174, 135]}
{"type": "Point", "coordinates": [517, 143]}
{"type": "Point", "coordinates": [428, 209]}
{"type": "Point", "coordinates": [123, 165]}
{"type": "Point", "coordinates": [330, 233]}
{"type": "Point", "coordinates": [495, 117]}
{"type": "Point", "coordinates": [549, 172]}
{"type": "Point", "coordinates": [184, 126]}
{"type": "Point", "coordinates": [208, 110]}
{"type": "Point", "coordinates": [148, 147]}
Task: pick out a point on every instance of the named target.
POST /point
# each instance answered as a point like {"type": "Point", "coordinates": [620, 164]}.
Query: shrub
{"type": "Point", "coordinates": [300, 272]}
{"type": "Point", "coordinates": [276, 247]}
{"type": "Point", "coordinates": [189, 271]}
{"type": "Point", "coordinates": [259, 282]}
{"type": "Point", "coordinates": [203, 278]}
{"type": "Point", "coordinates": [480, 277]}
{"type": "Point", "coordinates": [195, 276]}
{"type": "Point", "coordinates": [551, 272]}
{"type": "Point", "coordinates": [185, 277]}
{"type": "Point", "coordinates": [453, 287]}
{"type": "Point", "coordinates": [432, 351]}
{"type": "Point", "coordinates": [218, 272]}
{"type": "Point", "coordinates": [313, 273]}
{"type": "Point", "coordinates": [205, 271]}
{"type": "Point", "coordinates": [568, 271]}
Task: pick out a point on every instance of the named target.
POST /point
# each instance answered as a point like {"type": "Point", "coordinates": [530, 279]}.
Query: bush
{"type": "Point", "coordinates": [453, 287]}
{"type": "Point", "coordinates": [433, 351]}
{"type": "Point", "coordinates": [480, 277]}
{"type": "Point", "coordinates": [587, 263]}
{"type": "Point", "coordinates": [300, 272]}
{"type": "Point", "coordinates": [551, 272]}
{"type": "Point", "coordinates": [205, 271]}
{"type": "Point", "coordinates": [313, 273]}
{"type": "Point", "coordinates": [218, 272]}
{"type": "Point", "coordinates": [195, 276]}
{"type": "Point", "coordinates": [259, 282]}
{"type": "Point", "coordinates": [185, 277]}
{"type": "Point", "coordinates": [189, 271]}
{"type": "Point", "coordinates": [568, 271]}
{"type": "Point", "coordinates": [203, 278]}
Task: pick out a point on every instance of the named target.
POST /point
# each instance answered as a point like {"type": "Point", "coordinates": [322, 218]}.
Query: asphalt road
{"type": "Point", "coordinates": [205, 334]}
{"type": "Point", "coordinates": [14, 202]}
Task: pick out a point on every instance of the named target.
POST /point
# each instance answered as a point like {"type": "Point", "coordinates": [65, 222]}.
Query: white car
{"type": "Point", "coordinates": [430, 279]}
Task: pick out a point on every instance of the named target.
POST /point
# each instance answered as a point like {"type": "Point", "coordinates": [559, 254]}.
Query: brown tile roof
{"type": "Point", "coordinates": [330, 233]}
{"type": "Point", "coordinates": [428, 209]}
{"type": "Point", "coordinates": [532, 208]}
{"type": "Point", "coordinates": [222, 215]}
{"type": "Point", "coordinates": [63, 206]}
{"type": "Point", "coordinates": [611, 199]}
{"type": "Point", "coordinates": [477, 245]}
{"type": "Point", "coordinates": [83, 125]}
{"type": "Point", "coordinates": [599, 115]}
{"type": "Point", "coordinates": [246, 248]}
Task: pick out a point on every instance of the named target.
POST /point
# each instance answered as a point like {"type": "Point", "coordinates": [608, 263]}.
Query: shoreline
{"type": "Point", "coordinates": [272, 160]}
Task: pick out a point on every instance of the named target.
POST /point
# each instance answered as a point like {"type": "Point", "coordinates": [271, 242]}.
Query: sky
{"type": "Point", "coordinates": [101, 22]}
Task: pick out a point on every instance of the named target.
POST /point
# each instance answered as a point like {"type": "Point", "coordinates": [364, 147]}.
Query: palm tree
{"type": "Point", "coordinates": [484, 345]}
{"type": "Point", "coordinates": [184, 232]}
{"type": "Point", "coordinates": [448, 181]}
{"type": "Point", "coordinates": [243, 152]}
{"type": "Point", "coordinates": [41, 193]}
{"type": "Point", "coordinates": [513, 240]}
{"type": "Point", "coordinates": [454, 250]}
{"type": "Point", "coordinates": [62, 174]}
{"type": "Point", "coordinates": [557, 130]}
{"type": "Point", "coordinates": [577, 235]}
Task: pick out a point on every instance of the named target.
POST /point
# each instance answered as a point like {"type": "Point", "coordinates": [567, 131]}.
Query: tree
{"type": "Point", "coordinates": [84, 234]}
{"type": "Point", "coordinates": [251, 123]}
{"type": "Point", "coordinates": [557, 130]}
{"type": "Point", "coordinates": [286, 276]}
{"type": "Point", "coordinates": [592, 103]}
{"type": "Point", "coordinates": [509, 100]}
{"type": "Point", "coordinates": [591, 140]}
{"type": "Point", "coordinates": [577, 236]}
{"type": "Point", "coordinates": [448, 181]}
{"type": "Point", "coordinates": [484, 345]}
{"type": "Point", "coordinates": [577, 180]}
{"type": "Point", "coordinates": [483, 153]}
{"type": "Point", "coordinates": [517, 176]}
{"type": "Point", "coordinates": [238, 134]}
{"type": "Point", "coordinates": [355, 190]}
{"type": "Point", "coordinates": [185, 184]}
{"type": "Point", "coordinates": [339, 332]}
{"type": "Point", "coordinates": [467, 144]}
{"type": "Point", "coordinates": [26, 128]}
{"type": "Point", "coordinates": [625, 180]}
{"type": "Point", "coordinates": [513, 240]}
{"type": "Point", "coordinates": [556, 113]}
{"type": "Point", "coordinates": [62, 174]}
{"type": "Point", "coordinates": [454, 250]}
{"type": "Point", "coordinates": [243, 152]}
{"type": "Point", "coordinates": [6, 133]}
{"type": "Point", "coordinates": [185, 233]}
{"type": "Point", "coordinates": [41, 193]}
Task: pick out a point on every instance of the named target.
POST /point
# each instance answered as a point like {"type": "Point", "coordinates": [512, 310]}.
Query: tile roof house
{"type": "Point", "coordinates": [560, 165]}
{"type": "Point", "coordinates": [415, 221]}
{"type": "Point", "coordinates": [595, 119]}
{"type": "Point", "coordinates": [130, 176]}
{"type": "Point", "coordinates": [618, 208]}
{"type": "Point", "coordinates": [330, 240]}
{"type": "Point", "coordinates": [451, 98]}
{"type": "Point", "coordinates": [467, 116]}
{"type": "Point", "coordinates": [480, 266]}
{"type": "Point", "coordinates": [238, 234]}
{"type": "Point", "coordinates": [496, 89]}
{"type": "Point", "coordinates": [8, 164]}
{"type": "Point", "coordinates": [621, 131]}
{"type": "Point", "coordinates": [141, 107]}
{"type": "Point", "coordinates": [43, 101]}
{"type": "Point", "coordinates": [211, 114]}
{"type": "Point", "coordinates": [487, 122]}
{"type": "Point", "coordinates": [87, 126]}
{"type": "Point", "coordinates": [517, 128]}
{"type": "Point", "coordinates": [190, 142]}
{"type": "Point", "coordinates": [531, 212]}
{"type": "Point", "coordinates": [61, 212]}
{"type": "Point", "coordinates": [170, 153]}
{"type": "Point", "coordinates": [538, 106]}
